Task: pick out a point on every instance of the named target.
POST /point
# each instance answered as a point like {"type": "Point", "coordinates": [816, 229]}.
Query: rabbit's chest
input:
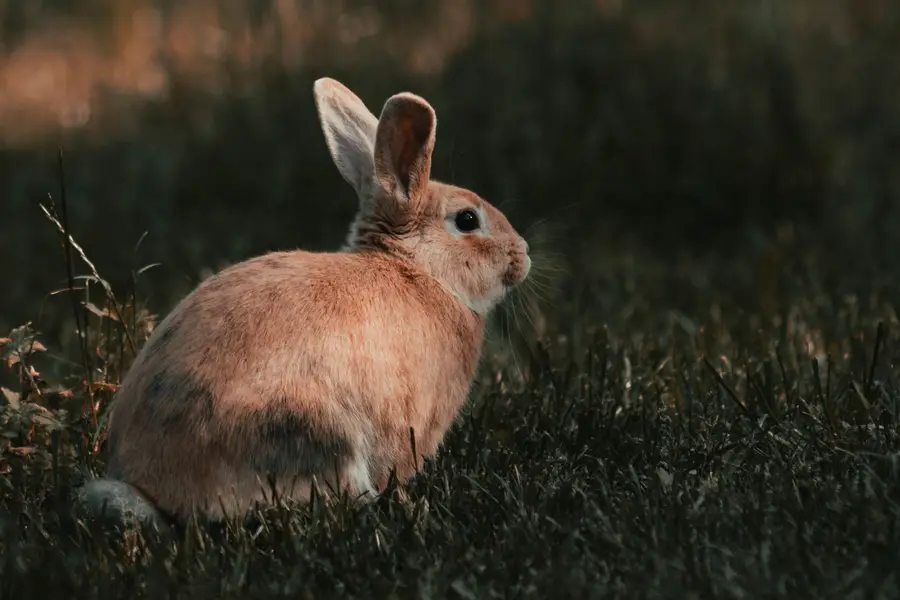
{"type": "Point", "coordinates": [437, 404]}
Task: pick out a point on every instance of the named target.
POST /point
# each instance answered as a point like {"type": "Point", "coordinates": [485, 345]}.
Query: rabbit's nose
{"type": "Point", "coordinates": [527, 247]}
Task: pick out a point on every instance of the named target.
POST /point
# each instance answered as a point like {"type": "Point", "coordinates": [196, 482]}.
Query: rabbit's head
{"type": "Point", "coordinates": [457, 237]}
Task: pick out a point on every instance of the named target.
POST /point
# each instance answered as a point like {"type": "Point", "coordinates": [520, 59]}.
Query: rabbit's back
{"type": "Point", "coordinates": [292, 365]}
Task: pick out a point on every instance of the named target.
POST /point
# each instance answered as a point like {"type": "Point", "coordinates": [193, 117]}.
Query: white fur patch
{"type": "Point", "coordinates": [481, 306]}
{"type": "Point", "coordinates": [358, 477]}
{"type": "Point", "coordinates": [118, 501]}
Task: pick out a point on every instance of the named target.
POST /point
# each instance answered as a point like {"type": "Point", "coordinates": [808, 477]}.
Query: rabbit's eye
{"type": "Point", "coordinates": [467, 220]}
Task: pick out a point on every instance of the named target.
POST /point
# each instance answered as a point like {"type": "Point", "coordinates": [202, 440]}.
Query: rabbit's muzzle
{"type": "Point", "coordinates": [519, 265]}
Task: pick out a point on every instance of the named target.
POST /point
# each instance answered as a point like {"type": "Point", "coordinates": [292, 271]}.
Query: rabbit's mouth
{"type": "Point", "coordinates": [510, 280]}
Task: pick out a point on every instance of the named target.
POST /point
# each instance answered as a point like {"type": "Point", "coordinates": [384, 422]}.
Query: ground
{"type": "Point", "coordinates": [660, 441]}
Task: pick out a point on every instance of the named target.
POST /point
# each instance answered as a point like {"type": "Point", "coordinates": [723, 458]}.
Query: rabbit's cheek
{"type": "Point", "coordinates": [482, 247]}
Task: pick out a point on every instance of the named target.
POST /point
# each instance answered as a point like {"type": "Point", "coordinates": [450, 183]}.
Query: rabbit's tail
{"type": "Point", "coordinates": [119, 502]}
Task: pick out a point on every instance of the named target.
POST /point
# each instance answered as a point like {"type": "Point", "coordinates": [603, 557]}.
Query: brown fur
{"type": "Point", "coordinates": [300, 366]}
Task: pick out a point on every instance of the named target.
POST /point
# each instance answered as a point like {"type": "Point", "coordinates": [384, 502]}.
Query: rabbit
{"type": "Point", "coordinates": [296, 367]}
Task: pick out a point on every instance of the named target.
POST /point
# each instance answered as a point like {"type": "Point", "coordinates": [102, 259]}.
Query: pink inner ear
{"type": "Point", "coordinates": [407, 136]}
{"type": "Point", "coordinates": [412, 135]}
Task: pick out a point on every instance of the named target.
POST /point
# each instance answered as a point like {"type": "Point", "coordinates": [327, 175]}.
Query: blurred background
{"type": "Point", "coordinates": [621, 135]}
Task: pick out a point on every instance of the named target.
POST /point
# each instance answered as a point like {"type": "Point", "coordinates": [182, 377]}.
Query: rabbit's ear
{"type": "Point", "coordinates": [349, 129]}
{"type": "Point", "coordinates": [403, 147]}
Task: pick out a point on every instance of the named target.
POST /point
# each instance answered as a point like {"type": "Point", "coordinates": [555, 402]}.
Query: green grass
{"type": "Point", "coordinates": [669, 437]}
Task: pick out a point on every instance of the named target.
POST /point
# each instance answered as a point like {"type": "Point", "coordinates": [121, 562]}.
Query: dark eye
{"type": "Point", "coordinates": [467, 220]}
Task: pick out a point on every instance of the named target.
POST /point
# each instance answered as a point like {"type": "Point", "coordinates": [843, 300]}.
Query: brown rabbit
{"type": "Point", "coordinates": [299, 366]}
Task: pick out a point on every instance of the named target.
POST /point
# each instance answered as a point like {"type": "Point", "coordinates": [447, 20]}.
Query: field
{"type": "Point", "coordinates": [695, 395]}
{"type": "Point", "coordinates": [713, 452]}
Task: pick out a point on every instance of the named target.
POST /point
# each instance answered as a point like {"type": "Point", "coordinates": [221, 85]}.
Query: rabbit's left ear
{"type": "Point", "coordinates": [404, 143]}
{"type": "Point", "coordinates": [349, 130]}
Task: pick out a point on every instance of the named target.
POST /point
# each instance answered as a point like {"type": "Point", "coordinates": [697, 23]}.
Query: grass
{"type": "Point", "coordinates": [665, 437]}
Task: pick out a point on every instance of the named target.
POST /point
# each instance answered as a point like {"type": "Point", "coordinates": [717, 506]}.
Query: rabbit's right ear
{"type": "Point", "coordinates": [349, 129]}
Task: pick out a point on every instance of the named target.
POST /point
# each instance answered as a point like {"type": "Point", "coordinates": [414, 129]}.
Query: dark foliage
{"type": "Point", "coordinates": [693, 128]}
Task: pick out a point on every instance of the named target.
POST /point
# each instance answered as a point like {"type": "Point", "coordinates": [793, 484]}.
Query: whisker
{"type": "Point", "coordinates": [518, 327]}
{"type": "Point", "coordinates": [532, 294]}
{"type": "Point", "coordinates": [544, 284]}
{"type": "Point", "coordinates": [535, 225]}
{"type": "Point", "coordinates": [512, 348]}
{"type": "Point", "coordinates": [539, 283]}
{"type": "Point", "coordinates": [529, 307]}
{"type": "Point", "coordinates": [544, 267]}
